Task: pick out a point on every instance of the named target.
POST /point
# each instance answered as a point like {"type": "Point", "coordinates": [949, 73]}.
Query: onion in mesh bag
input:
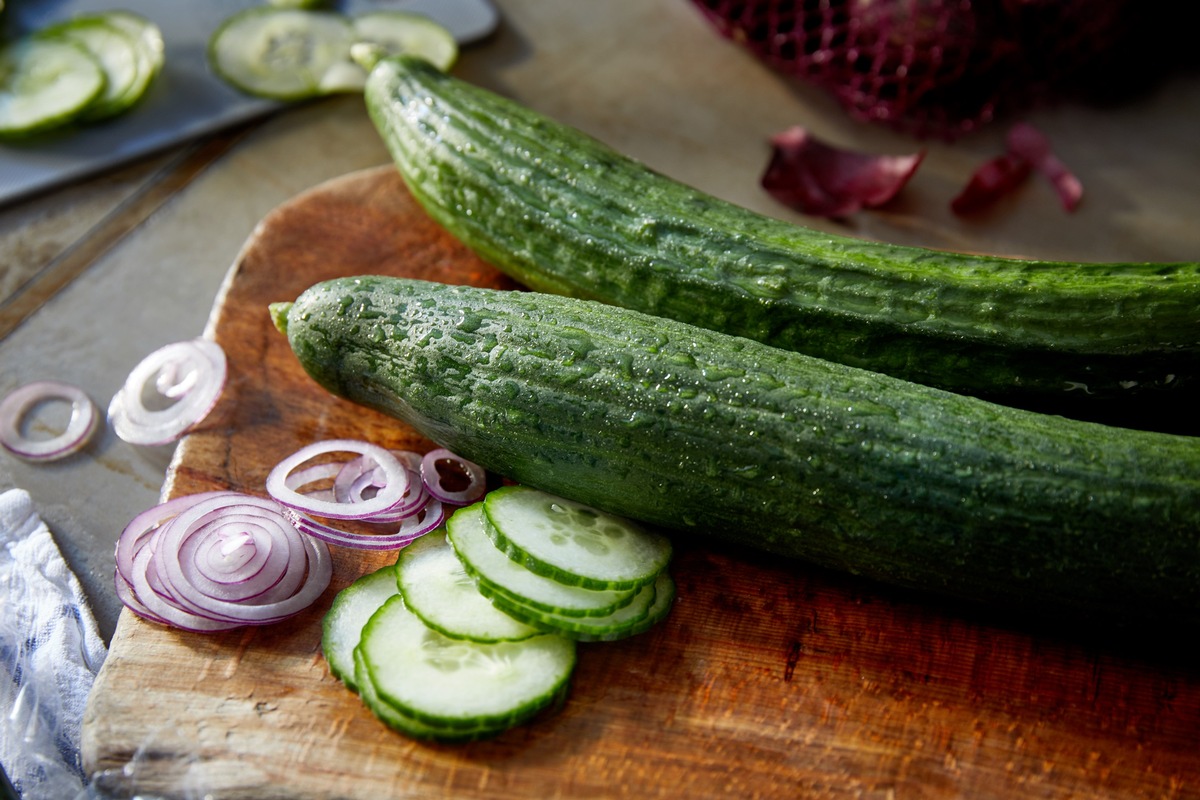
{"type": "Point", "coordinates": [946, 67]}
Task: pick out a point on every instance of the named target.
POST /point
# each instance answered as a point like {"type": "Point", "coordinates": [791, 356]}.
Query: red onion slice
{"type": "Point", "coordinates": [191, 374]}
{"type": "Point", "coordinates": [474, 479]}
{"type": "Point", "coordinates": [393, 485]}
{"type": "Point", "coordinates": [394, 495]}
{"type": "Point", "coordinates": [21, 401]}
{"type": "Point", "coordinates": [412, 527]}
{"type": "Point", "coordinates": [218, 560]}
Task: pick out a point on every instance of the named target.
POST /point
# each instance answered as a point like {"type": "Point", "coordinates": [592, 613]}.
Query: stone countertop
{"type": "Point", "coordinates": [96, 275]}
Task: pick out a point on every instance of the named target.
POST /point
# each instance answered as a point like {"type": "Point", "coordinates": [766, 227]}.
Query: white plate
{"type": "Point", "coordinates": [187, 100]}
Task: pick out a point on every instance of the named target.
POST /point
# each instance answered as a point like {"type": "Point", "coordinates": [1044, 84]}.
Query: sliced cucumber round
{"type": "Point", "coordinates": [342, 626]}
{"type": "Point", "coordinates": [45, 82]}
{"type": "Point", "coordinates": [456, 684]}
{"type": "Point", "coordinates": [496, 573]}
{"type": "Point", "coordinates": [294, 51]}
{"type": "Point", "coordinates": [282, 53]}
{"type": "Point", "coordinates": [395, 32]}
{"type": "Point", "coordinates": [398, 720]}
{"type": "Point", "coordinates": [573, 543]}
{"type": "Point", "coordinates": [437, 588]}
{"type": "Point", "coordinates": [114, 50]}
{"type": "Point", "coordinates": [148, 47]}
{"type": "Point", "coordinates": [650, 606]}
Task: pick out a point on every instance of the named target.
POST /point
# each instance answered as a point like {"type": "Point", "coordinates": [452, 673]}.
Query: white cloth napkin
{"type": "Point", "coordinates": [50, 650]}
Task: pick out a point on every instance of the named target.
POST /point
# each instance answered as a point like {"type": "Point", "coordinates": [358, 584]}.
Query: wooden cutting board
{"type": "Point", "coordinates": [769, 679]}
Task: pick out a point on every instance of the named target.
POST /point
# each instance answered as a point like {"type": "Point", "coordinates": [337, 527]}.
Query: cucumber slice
{"type": "Point", "coordinates": [282, 53]}
{"type": "Point", "coordinates": [456, 684]}
{"type": "Point", "coordinates": [496, 573]}
{"type": "Point", "coordinates": [408, 725]}
{"type": "Point", "coordinates": [116, 53]}
{"type": "Point", "coordinates": [45, 82]}
{"type": "Point", "coordinates": [148, 48]}
{"type": "Point", "coordinates": [573, 543]}
{"type": "Point", "coordinates": [652, 604]}
{"type": "Point", "coordinates": [342, 626]}
{"type": "Point", "coordinates": [395, 32]}
{"type": "Point", "coordinates": [437, 588]}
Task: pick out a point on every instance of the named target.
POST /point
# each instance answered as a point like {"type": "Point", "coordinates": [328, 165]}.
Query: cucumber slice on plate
{"type": "Point", "coordinates": [117, 53]}
{"type": "Point", "coordinates": [148, 48]}
{"type": "Point", "coordinates": [395, 32]}
{"type": "Point", "coordinates": [282, 53]}
{"type": "Point", "coordinates": [456, 684]}
{"type": "Point", "coordinates": [342, 626]}
{"type": "Point", "coordinates": [437, 588]}
{"type": "Point", "coordinates": [295, 52]}
{"type": "Point", "coordinates": [497, 574]}
{"type": "Point", "coordinates": [45, 82]}
{"type": "Point", "coordinates": [573, 543]}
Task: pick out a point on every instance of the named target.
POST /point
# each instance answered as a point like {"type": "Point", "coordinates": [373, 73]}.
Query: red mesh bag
{"type": "Point", "coordinates": [945, 67]}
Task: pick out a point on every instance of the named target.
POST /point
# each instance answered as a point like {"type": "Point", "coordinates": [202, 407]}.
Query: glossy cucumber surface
{"type": "Point", "coordinates": [562, 212]}
{"type": "Point", "coordinates": [703, 432]}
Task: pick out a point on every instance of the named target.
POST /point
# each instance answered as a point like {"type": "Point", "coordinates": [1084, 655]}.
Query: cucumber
{"type": "Point", "coordinates": [436, 587]}
{"type": "Point", "coordinates": [702, 432]}
{"type": "Point", "coordinates": [563, 213]}
{"type": "Point", "coordinates": [342, 625]}
{"type": "Point", "coordinates": [456, 684]}
{"type": "Point", "coordinates": [45, 83]}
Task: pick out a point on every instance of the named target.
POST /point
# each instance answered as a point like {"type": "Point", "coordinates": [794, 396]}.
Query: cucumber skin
{"type": "Point", "coordinates": [563, 213]}
{"type": "Point", "coordinates": [702, 432]}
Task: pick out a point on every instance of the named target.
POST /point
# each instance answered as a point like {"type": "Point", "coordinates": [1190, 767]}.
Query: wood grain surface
{"type": "Point", "coordinates": [770, 679]}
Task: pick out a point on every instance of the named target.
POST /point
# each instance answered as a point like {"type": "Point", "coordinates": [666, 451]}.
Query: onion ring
{"type": "Point", "coordinates": [392, 490]}
{"type": "Point", "coordinates": [432, 477]}
{"type": "Point", "coordinates": [190, 373]}
{"type": "Point", "coordinates": [218, 560]}
{"type": "Point", "coordinates": [426, 519]}
{"type": "Point", "coordinates": [377, 486]}
{"type": "Point", "coordinates": [17, 405]}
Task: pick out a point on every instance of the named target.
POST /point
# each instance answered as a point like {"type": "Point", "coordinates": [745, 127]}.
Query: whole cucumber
{"type": "Point", "coordinates": [563, 213]}
{"type": "Point", "coordinates": [703, 432]}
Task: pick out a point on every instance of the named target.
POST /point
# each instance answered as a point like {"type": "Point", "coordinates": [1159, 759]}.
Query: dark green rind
{"type": "Point", "coordinates": [563, 213]}
{"type": "Point", "coordinates": [470, 726]}
{"type": "Point", "coordinates": [699, 431]}
{"type": "Point", "coordinates": [342, 614]}
{"type": "Point", "coordinates": [585, 629]}
{"type": "Point", "coordinates": [401, 722]}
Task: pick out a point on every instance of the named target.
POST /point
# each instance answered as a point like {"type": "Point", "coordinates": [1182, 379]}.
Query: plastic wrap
{"type": "Point", "coordinates": [50, 650]}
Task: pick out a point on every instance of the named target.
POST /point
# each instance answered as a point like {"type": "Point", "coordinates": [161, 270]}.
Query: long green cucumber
{"type": "Point", "coordinates": [564, 213]}
{"type": "Point", "coordinates": [703, 432]}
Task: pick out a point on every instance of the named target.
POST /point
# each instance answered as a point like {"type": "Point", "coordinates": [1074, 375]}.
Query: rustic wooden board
{"type": "Point", "coordinates": [769, 679]}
